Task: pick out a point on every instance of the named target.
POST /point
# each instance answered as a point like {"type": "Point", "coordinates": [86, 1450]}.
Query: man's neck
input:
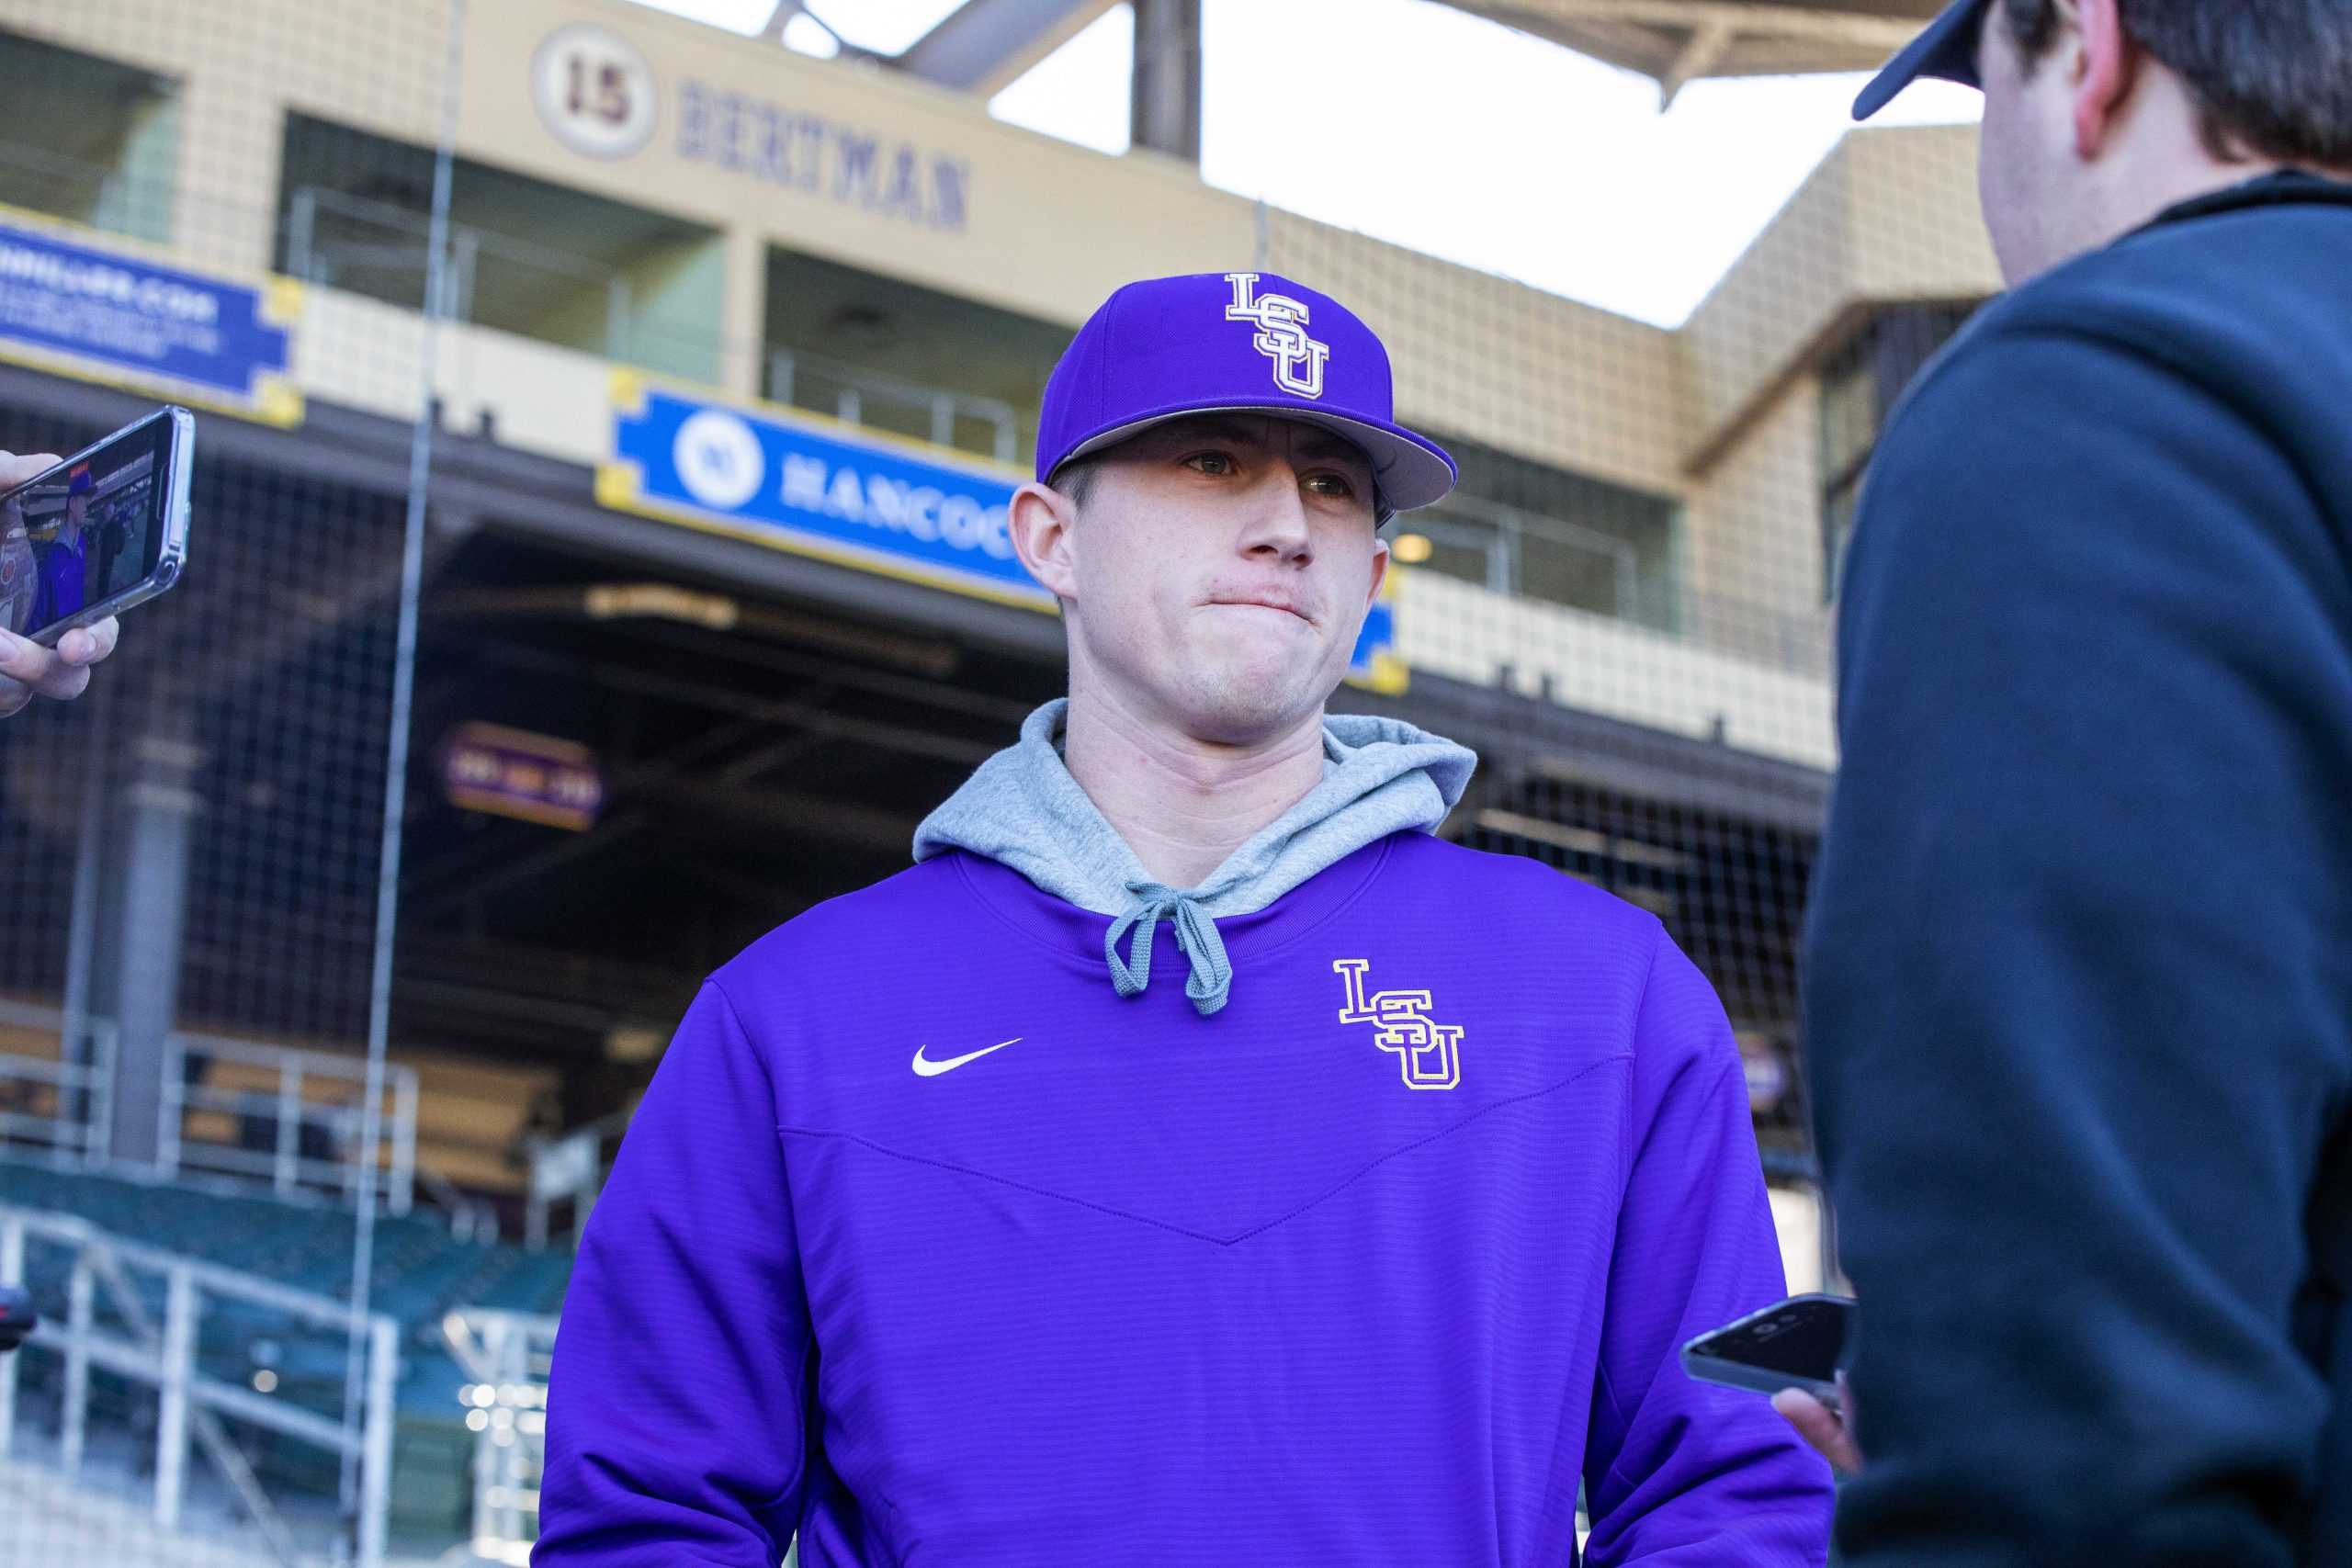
{"type": "Point", "coordinates": [1183, 805]}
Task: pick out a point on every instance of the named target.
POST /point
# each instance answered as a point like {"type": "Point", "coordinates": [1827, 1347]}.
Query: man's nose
{"type": "Point", "coordinates": [1278, 515]}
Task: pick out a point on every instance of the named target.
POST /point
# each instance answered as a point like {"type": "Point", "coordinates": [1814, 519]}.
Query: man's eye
{"type": "Point", "coordinates": [1210, 462]}
{"type": "Point", "coordinates": [1332, 484]}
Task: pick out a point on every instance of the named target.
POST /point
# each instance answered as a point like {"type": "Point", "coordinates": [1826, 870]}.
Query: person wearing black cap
{"type": "Point", "coordinates": [2079, 954]}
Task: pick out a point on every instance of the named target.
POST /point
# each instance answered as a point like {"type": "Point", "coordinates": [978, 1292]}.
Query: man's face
{"type": "Point", "coordinates": [1218, 571]}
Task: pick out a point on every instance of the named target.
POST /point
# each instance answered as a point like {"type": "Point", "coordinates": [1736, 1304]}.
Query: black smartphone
{"type": "Point", "coordinates": [1798, 1343]}
{"type": "Point", "coordinates": [102, 531]}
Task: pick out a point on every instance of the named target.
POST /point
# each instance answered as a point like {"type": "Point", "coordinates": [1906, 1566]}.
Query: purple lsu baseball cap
{"type": "Point", "coordinates": [1241, 343]}
{"type": "Point", "coordinates": [1947, 50]}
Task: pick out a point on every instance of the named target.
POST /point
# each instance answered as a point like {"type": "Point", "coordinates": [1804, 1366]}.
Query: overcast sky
{"type": "Point", "coordinates": [1438, 130]}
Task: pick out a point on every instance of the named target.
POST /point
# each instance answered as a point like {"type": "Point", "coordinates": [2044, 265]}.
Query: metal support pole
{"type": "Point", "coordinates": [942, 420]}
{"type": "Point", "coordinates": [485, 1465]}
{"type": "Point", "coordinates": [1502, 558]}
{"type": "Point", "coordinates": [171, 1418]}
{"type": "Point", "coordinates": [375, 1459]}
{"type": "Point", "coordinates": [352, 1488]}
{"type": "Point", "coordinates": [171, 1096]}
{"type": "Point", "coordinates": [301, 231]}
{"type": "Point", "coordinates": [75, 1042]}
{"type": "Point", "coordinates": [12, 1272]}
{"type": "Point", "coordinates": [79, 1296]}
{"type": "Point", "coordinates": [403, 1188]}
{"type": "Point", "coordinates": [100, 1144]}
{"type": "Point", "coordinates": [617, 345]}
{"type": "Point", "coordinates": [465, 254]}
{"type": "Point", "coordinates": [290, 1122]}
{"type": "Point", "coordinates": [1166, 97]}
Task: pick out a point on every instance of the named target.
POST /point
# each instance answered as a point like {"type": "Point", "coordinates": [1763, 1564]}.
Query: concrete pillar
{"type": "Point", "coordinates": [742, 312]}
{"type": "Point", "coordinates": [143, 906]}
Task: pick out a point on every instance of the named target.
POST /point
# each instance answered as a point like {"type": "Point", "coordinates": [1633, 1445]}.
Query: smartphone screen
{"type": "Point", "coordinates": [91, 530]}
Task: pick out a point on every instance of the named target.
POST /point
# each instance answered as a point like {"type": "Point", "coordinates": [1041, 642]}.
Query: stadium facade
{"type": "Point", "coordinates": [739, 352]}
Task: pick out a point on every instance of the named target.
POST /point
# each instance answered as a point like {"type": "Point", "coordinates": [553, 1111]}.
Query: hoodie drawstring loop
{"type": "Point", "coordinates": [1211, 982]}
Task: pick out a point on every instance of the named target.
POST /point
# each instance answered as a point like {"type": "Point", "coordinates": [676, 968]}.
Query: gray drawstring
{"type": "Point", "coordinates": [1211, 978]}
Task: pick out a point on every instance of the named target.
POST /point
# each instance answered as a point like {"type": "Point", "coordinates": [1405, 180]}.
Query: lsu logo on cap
{"type": "Point", "coordinates": [1282, 334]}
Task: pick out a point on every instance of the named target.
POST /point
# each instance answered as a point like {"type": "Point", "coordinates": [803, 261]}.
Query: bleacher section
{"type": "Point", "coordinates": [420, 1272]}
{"type": "Point", "coordinates": [470, 1116]}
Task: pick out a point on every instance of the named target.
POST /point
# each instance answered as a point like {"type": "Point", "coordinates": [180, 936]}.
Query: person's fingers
{"type": "Point", "coordinates": [14, 696]}
{"type": "Point", "coordinates": [1820, 1428]}
{"type": "Point", "coordinates": [16, 471]}
{"type": "Point", "coordinates": [88, 645]}
{"type": "Point", "coordinates": [28, 663]}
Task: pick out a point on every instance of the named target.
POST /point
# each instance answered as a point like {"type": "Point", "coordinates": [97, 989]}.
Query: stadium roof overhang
{"type": "Point", "coordinates": [1674, 42]}
{"type": "Point", "coordinates": [983, 45]}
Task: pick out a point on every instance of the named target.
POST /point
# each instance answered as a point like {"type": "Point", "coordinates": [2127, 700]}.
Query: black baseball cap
{"type": "Point", "coordinates": [1947, 50]}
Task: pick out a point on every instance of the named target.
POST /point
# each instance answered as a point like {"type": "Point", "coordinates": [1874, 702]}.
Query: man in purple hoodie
{"type": "Point", "coordinates": [943, 1234]}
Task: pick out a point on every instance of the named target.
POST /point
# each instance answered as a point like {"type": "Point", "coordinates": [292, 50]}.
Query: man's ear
{"type": "Point", "coordinates": [1380, 559]}
{"type": "Point", "coordinates": [2107, 68]}
{"type": "Point", "coordinates": [1038, 522]}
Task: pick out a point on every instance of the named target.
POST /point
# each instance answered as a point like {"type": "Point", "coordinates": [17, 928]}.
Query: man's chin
{"type": "Point", "coordinates": [1252, 705]}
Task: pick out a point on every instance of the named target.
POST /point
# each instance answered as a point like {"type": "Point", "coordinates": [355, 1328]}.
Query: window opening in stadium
{"type": "Point", "coordinates": [1521, 526]}
{"type": "Point", "coordinates": [90, 138]}
{"type": "Point", "coordinates": [894, 356]}
{"type": "Point", "coordinates": [1860, 382]}
{"type": "Point", "coordinates": [527, 257]}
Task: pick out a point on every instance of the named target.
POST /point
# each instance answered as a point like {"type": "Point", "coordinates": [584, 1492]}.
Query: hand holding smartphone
{"type": "Point", "coordinates": [82, 539]}
{"type": "Point", "coordinates": [98, 532]}
{"type": "Point", "coordinates": [1797, 1343]}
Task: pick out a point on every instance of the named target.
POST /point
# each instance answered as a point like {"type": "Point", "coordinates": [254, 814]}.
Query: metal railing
{"type": "Point", "coordinates": [569, 1168]}
{"type": "Point", "coordinates": [1490, 545]}
{"type": "Point", "coordinates": [853, 391]}
{"type": "Point", "coordinates": [291, 1163]}
{"type": "Point", "coordinates": [332, 256]}
{"type": "Point", "coordinates": [190, 1405]}
{"type": "Point", "coordinates": [65, 1105]}
{"type": "Point", "coordinates": [300, 1145]}
{"type": "Point", "coordinates": [505, 1356]}
{"type": "Point", "coordinates": [1499, 534]}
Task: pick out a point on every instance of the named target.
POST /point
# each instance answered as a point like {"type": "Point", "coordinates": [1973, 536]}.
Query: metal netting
{"type": "Point", "coordinates": [1639, 564]}
{"type": "Point", "coordinates": [644, 727]}
{"type": "Point", "coordinates": [189, 854]}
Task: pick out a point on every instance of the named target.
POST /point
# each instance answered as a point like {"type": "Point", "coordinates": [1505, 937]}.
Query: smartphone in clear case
{"type": "Point", "coordinates": [103, 530]}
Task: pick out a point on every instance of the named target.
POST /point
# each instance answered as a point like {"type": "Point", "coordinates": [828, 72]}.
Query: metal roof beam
{"type": "Point", "coordinates": [1738, 16]}
{"type": "Point", "coordinates": [984, 46]}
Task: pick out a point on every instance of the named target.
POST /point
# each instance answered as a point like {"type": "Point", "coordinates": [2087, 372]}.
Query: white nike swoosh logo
{"type": "Point", "coordinates": [926, 1067]}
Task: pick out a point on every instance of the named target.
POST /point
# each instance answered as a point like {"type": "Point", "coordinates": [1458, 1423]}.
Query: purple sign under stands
{"type": "Point", "coordinates": [511, 773]}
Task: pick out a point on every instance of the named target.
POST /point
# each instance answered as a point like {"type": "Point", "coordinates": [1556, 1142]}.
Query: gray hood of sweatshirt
{"type": "Point", "coordinates": [1023, 809]}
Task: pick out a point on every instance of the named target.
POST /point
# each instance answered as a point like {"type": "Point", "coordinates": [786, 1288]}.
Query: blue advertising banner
{"type": "Point", "coordinates": [1375, 665]}
{"type": "Point", "coordinates": [801, 482]}
{"type": "Point", "coordinates": [105, 315]}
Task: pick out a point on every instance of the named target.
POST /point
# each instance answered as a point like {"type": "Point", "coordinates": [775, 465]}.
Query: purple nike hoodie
{"type": "Point", "coordinates": [1349, 1209]}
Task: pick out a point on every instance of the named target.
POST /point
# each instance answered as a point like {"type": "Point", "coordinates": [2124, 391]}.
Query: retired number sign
{"type": "Point", "coordinates": [594, 91]}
